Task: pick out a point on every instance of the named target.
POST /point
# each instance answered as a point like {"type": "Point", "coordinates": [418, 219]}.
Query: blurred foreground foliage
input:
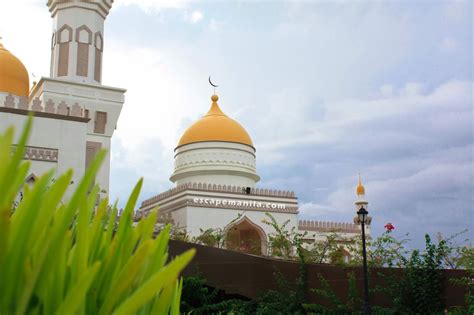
{"type": "Point", "coordinates": [73, 256]}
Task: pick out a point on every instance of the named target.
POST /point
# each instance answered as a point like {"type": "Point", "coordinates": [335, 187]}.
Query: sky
{"type": "Point", "coordinates": [325, 89]}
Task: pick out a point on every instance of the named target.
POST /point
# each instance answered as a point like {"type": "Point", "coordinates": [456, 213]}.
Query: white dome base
{"type": "Point", "coordinates": [220, 163]}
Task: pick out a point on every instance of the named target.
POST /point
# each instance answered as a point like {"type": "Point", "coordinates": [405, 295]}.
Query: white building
{"type": "Point", "coordinates": [215, 179]}
{"type": "Point", "coordinates": [215, 172]}
{"type": "Point", "coordinates": [74, 114]}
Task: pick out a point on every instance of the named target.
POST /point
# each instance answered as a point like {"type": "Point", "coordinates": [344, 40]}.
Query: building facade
{"type": "Point", "coordinates": [215, 175]}
{"type": "Point", "coordinates": [74, 114]}
{"type": "Point", "coordinates": [215, 179]}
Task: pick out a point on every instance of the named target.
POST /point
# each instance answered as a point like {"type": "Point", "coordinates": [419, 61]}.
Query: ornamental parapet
{"type": "Point", "coordinates": [39, 154]}
{"type": "Point", "coordinates": [218, 188]}
{"type": "Point", "coordinates": [21, 105]}
{"type": "Point", "coordinates": [326, 226]}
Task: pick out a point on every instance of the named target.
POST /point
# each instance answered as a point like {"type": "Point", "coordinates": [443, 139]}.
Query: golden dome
{"type": "Point", "coordinates": [13, 75]}
{"type": "Point", "coordinates": [360, 190]}
{"type": "Point", "coordinates": [215, 126]}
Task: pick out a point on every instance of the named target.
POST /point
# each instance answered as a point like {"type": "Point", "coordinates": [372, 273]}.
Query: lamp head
{"type": "Point", "coordinates": [362, 214]}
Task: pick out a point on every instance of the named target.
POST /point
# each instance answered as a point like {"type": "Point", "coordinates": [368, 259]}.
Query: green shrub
{"type": "Point", "coordinates": [196, 294]}
{"type": "Point", "coordinates": [420, 289]}
{"type": "Point", "coordinates": [70, 257]}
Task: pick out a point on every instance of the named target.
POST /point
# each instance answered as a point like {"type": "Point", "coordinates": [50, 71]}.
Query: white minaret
{"type": "Point", "coordinates": [360, 192]}
{"type": "Point", "coordinates": [77, 42]}
{"type": "Point", "coordinates": [75, 87]}
{"type": "Point", "coordinates": [360, 202]}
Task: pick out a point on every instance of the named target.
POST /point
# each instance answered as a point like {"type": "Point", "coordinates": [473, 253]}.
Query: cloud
{"type": "Point", "coordinates": [312, 210]}
{"type": "Point", "coordinates": [152, 6]}
{"type": "Point", "coordinates": [18, 38]}
{"type": "Point", "coordinates": [387, 114]}
{"type": "Point", "coordinates": [323, 96]}
{"type": "Point", "coordinates": [149, 159]}
{"type": "Point", "coordinates": [448, 45]}
{"type": "Point", "coordinates": [415, 152]}
{"type": "Point", "coordinates": [324, 89]}
{"type": "Point", "coordinates": [214, 25]}
{"type": "Point", "coordinates": [194, 17]}
{"type": "Point", "coordinates": [386, 90]}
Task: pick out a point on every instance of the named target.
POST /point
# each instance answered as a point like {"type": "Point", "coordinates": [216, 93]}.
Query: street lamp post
{"type": "Point", "coordinates": [362, 218]}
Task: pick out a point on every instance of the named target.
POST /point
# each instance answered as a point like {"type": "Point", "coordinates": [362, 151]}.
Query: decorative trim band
{"type": "Point", "coordinates": [325, 226]}
{"type": "Point", "coordinates": [218, 188]}
{"type": "Point", "coordinates": [39, 154]}
{"type": "Point", "coordinates": [190, 202]}
{"type": "Point", "coordinates": [26, 112]}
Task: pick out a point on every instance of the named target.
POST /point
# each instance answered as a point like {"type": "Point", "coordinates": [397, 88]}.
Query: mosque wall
{"type": "Point", "coordinates": [100, 104]}
{"type": "Point", "coordinates": [53, 143]}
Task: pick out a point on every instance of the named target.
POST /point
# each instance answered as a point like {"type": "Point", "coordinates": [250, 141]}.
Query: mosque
{"type": "Point", "coordinates": [215, 179]}
{"type": "Point", "coordinates": [215, 175]}
{"type": "Point", "coordinates": [75, 115]}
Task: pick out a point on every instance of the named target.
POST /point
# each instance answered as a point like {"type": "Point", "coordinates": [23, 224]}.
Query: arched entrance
{"type": "Point", "coordinates": [245, 236]}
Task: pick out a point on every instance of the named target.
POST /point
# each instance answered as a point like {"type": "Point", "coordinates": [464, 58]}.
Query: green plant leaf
{"type": "Point", "coordinates": [164, 277]}
{"type": "Point", "coordinates": [75, 298]}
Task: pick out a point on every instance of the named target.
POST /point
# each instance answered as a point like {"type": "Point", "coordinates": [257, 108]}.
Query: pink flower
{"type": "Point", "coordinates": [389, 227]}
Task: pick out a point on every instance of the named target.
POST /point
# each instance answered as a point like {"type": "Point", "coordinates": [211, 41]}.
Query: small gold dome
{"type": "Point", "coordinates": [13, 75]}
{"type": "Point", "coordinates": [360, 190]}
{"type": "Point", "coordinates": [215, 126]}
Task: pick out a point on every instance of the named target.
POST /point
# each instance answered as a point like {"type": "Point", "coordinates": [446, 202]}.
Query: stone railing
{"type": "Point", "coordinates": [49, 107]}
{"type": "Point", "coordinates": [325, 226]}
{"type": "Point", "coordinates": [218, 188]}
{"type": "Point", "coordinates": [39, 154]}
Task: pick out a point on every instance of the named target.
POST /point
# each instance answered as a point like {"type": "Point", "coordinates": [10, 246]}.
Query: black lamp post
{"type": "Point", "coordinates": [362, 218]}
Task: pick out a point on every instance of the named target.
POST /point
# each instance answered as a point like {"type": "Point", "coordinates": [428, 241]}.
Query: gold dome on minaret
{"type": "Point", "coordinates": [360, 190]}
{"type": "Point", "coordinates": [215, 126]}
{"type": "Point", "coordinates": [13, 75]}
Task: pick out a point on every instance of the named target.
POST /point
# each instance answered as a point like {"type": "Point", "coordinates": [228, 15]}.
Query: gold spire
{"type": "Point", "coordinates": [215, 109]}
{"type": "Point", "coordinates": [360, 190]}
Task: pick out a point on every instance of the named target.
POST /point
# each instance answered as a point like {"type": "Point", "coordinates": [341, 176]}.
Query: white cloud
{"type": "Point", "coordinates": [156, 102]}
{"type": "Point", "coordinates": [214, 25]}
{"type": "Point", "coordinates": [412, 89]}
{"type": "Point", "coordinates": [448, 45]}
{"type": "Point", "coordinates": [194, 17]}
{"type": "Point", "coordinates": [153, 6]}
{"type": "Point", "coordinates": [458, 11]}
{"type": "Point", "coordinates": [30, 44]}
{"type": "Point", "coordinates": [312, 210]}
{"type": "Point", "coordinates": [342, 115]}
{"type": "Point", "coordinates": [386, 90]}
{"type": "Point", "coordinates": [325, 92]}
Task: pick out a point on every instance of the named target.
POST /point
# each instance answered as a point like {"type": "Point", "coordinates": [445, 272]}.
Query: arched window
{"type": "Point", "coordinates": [99, 47]}
{"type": "Point", "coordinates": [84, 40]}
{"type": "Point", "coordinates": [246, 236]}
{"type": "Point", "coordinates": [63, 39]}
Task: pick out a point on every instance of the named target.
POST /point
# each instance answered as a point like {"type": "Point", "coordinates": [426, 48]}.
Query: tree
{"type": "Point", "coordinates": [383, 251]}
{"type": "Point", "coordinates": [283, 242]}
